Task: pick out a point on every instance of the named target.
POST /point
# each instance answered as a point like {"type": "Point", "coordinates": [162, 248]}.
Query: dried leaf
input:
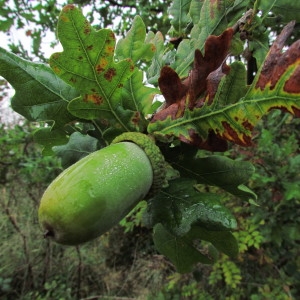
{"type": "Point", "coordinates": [179, 94]}
{"type": "Point", "coordinates": [227, 109]}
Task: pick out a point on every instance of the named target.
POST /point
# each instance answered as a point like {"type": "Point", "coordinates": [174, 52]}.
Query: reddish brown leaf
{"type": "Point", "coordinates": [171, 86]}
{"type": "Point", "coordinates": [277, 63]}
{"type": "Point", "coordinates": [202, 83]}
{"type": "Point", "coordinates": [212, 143]}
{"type": "Point", "coordinates": [213, 80]}
{"type": "Point", "coordinates": [292, 85]}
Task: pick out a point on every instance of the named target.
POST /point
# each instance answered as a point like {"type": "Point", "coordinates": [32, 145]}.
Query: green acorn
{"type": "Point", "coordinates": [94, 194]}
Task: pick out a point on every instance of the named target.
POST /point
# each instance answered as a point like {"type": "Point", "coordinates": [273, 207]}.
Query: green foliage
{"type": "Point", "coordinates": [249, 236]}
{"type": "Point", "coordinates": [135, 217]}
{"type": "Point", "coordinates": [195, 208]}
{"type": "Point", "coordinates": [51, 95]}
{"type": "Point", "coordinates": [96, 90]}
{"type": "Point", "coordinates": [227, 270]}
{"type": "Point", "coordinates": [78, 146]}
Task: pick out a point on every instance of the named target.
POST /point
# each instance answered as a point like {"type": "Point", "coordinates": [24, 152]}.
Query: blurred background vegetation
{"type": "Point", "coordinates": [123, 264]}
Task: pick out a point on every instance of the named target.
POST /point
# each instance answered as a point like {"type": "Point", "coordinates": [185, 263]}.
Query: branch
{"type": "Point", "coordinates": [245, 19]}
{"type": "Point", "coordinates": [115, 3]}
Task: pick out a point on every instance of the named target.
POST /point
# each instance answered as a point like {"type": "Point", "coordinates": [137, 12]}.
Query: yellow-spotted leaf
{"type": "Point", "coordinates": [88, 64]}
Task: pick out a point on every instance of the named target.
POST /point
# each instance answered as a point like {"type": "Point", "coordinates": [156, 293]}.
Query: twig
{"type": "Point", "coordinates": [79, 271]}
{"type": "Point", "coordinates": [243, 20]}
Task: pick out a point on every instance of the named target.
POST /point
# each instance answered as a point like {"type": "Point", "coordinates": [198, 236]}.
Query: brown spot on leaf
{"type": "Point", "coordinates": [231, 135]}
{"type": "Point", "coordinates": [56, 69]}
{"type": "Point", "coordinates": [110, 73]}
{"type": "Point", "coordinates": [247, 125]}
{"type": "Point", "coordinates": [99, 69]}
{"type": "Point", "coordinates": [55, 56]}
{"type": "Point", "coordinates": [94, 98]}
{"type": "Point", "coordinates": [110, 49]}
{"type": "Point", "coordinates": [111, 35]}
{"type": "Point", "coordinates": [89, 47]}
{"type": "Point", "coordinates": [212, 6]}
{"type": "Point", "coordinates": [101, 66]}
{"type": "Point", "coordinates": [131, 67]}
{"type": "Point", "coordinates": [68, 7]}
{"type": "Point", "coordinates": [104, 122]}
{"type": "Point", "coordinates": [73, 80]}
{"type": "Point", "coordinates": [136, 118]}
{"type": "Point", "coordinates": [64, 18]}
{"type": "Point", "coordinates": [86, 28]}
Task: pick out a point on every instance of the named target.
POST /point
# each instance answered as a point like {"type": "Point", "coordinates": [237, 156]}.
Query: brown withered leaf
{"type": "Point", "coordinates": [210, 113]}
{"type": "Point", "coordinates": [199, 87]}
{"type": "Point", "coordinates": [278, 62]}
{"type": "Point", "coordinates": [202, 82]}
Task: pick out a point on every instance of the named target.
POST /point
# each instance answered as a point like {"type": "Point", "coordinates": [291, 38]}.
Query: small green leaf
{"type": "Point", "coordinates": [231, 87]}
{"type": "Point", "coordinates": [180, 206]}
{"type": "Point", "coordinates": [135, 94]}
{"type": "Point", "coordinates": [180, 17]}
{"type": "Point", "coordinates": [159, 59]}
{"type": "Point", "coordinates": [285, 9]}
{"type": "Point", "coordinates": [49, 138]}
{"type": "Point", "coordinates": [78, 146]}
{"type": "Point", "coordinates": [180, 250]}
{"type": "Point", "coordinates": [88, 64]}
{"type": "Point", "coordinates": [184, 251]}
{"type": "Point", "coordinates": [133, 46]}
{"type": "Point", "coordinates": [140, 96]}
{"type": "Point", "coordinates": [40, 94]}
{"type": "Point", "coordinates": [216, 170]}
{"type": "Point", "coordinates": [195, 9]}
{"type": "Point", "coordinates": [224, 241]}
{"type": "Point", "coordinates": [6, 24]}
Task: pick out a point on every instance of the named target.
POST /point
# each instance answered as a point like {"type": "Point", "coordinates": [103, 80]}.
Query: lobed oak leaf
{"type": "Point", "coordinates": [187, 91]}
{"type": "Point", "coordinates": [198, 88]}
{"type": "Point", "coordinates": [277, 65]}
{"type": "Point", "coordinates": [88, 63]}
{"type": "Point", "coordinates": [222, 108]}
